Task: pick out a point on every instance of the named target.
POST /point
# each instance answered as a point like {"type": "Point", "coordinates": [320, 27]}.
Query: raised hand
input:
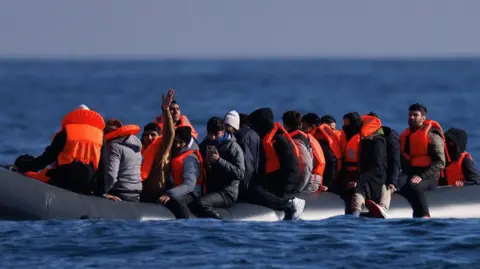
{"type": "Point", "coordinates": [167, 100]}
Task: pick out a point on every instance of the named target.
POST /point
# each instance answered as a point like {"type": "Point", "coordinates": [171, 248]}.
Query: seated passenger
{"type": "Point", "coordinates": [186, 182]}
{"type": "Point", "coordinates": [178, 119]}
{"type": "Point", "coordinates": [225, 166]}
{"type": "Point", "coordinates": [423, 158]}
{"type": "Point", "coordinates": [232, 122]}
{"type": "Point", "coordinates": [156, 152]}
{"type": "Point", "coordinates": [393, 171]}
{"type": "Point", "coordinates": [249, 142]}
{"type": "Point", "coordinates": [124, 181]}
{"type": "Point", "coordinates": [311, 159]}
{"type": "Point", "coordinates": [277, 177]}
{"type": "Point", "coordinates": [78, 151]}
{"type": "Point", "coordinates": [372, 165]}
{"type": "Point", "coordinates": [461, 168]}
{"type": "Point", "coordinates": [330, 145]}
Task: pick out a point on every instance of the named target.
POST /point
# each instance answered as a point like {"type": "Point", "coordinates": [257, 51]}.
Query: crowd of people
{"type": "Point", "coordinates": [251, 158]}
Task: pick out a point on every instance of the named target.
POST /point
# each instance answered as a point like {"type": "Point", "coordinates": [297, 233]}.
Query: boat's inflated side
{"type": "Point", "coordinates": [23, 198]}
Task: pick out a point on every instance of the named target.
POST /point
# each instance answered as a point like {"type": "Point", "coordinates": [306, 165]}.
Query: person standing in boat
{"type": "Point", "coordinates": [311, 159]}
{"type": "Point", "coordinates": [249, 142]}
{"type": "Point", "coordinates": [461, 169]}
{"type": "Point", "coordinates": [179, 119]}
{"type": "Point", "coordinates": [186, 183]}
{"type": "Point", "coordinates": [224, 166]}
{"type": "Point", "coordinates": [423, 158]}
{"type": "Point", "coordinates": [372, 165]}
{"type": "Point", "coordinates": [125, 159]}
{"type": "Point", "coordinates": [330, 144]}
{"type": "Point", "coordinates": [79, 151]}
{"type": "Point", "coordinates": [157, 146]}
{"type": "Point", "coordinates": [393, 171]}
{"type": "Point", "coordinates": [277, 178]}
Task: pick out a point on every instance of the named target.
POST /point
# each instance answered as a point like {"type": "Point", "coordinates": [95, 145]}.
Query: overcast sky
{"type": "Point", "coordinates": [241, 28]}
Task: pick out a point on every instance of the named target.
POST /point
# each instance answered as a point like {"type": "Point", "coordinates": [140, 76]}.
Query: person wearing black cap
{"type": "Point", "coordinates": [249, 141]}
{"type": "Point", "coordinates": [330, 120]}
{"type": "Point", "coordinates": [423, 158]}
{"type": "Point", "coordinates": [278, 169]}
{"type": "Point", "coordinates": [186, 182]}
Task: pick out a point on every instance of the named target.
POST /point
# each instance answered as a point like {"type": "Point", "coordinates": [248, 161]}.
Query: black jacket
{"type": "Point", "coordinates": [284, 180]}
{"type": "Point", "coordinates": [457, 144]}
{"type": "Point", "coordinates": [393, 155]}
{"type": "Point", "coordinates": [249, 142]}
{"type": "Point", "coordinates": [330, 172]}
{"type": "Point", "coordinates": [225, 175]}
{"type": "Point", "coordinates": [372, 167]}
{"type": "Point", "coordinates": [76, 176]}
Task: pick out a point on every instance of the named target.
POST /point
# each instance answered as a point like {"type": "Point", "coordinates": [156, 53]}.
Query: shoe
{"type": "Point", "coordinates": [376, 210]}
{"type": "Point", "coordinates": [295, 209]}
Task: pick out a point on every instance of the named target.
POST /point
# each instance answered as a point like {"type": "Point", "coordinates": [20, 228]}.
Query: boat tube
{"type": "Point", "coordinates": [23, 198]}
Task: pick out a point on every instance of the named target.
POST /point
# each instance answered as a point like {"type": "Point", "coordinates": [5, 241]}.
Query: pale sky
{"type": "Point", "coordinates": [241, 28]}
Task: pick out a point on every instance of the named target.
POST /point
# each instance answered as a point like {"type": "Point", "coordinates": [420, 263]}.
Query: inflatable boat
{"type": "Point", "coordinates": [23, 198]}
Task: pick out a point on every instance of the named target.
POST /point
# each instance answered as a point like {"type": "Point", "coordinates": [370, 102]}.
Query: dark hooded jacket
{"type": "Point", "coordinates": [456, 145]}
{"type": "Point", "coordinates": [372, 166]}
{"type": "Point", "coordinates": [249, 142]}
{"type": "Point", "coordinates": [284, 180]}
{"type": "Point", "coordinates": [225, 175]}
{"type": "Point", "coordinates": [75, 176]}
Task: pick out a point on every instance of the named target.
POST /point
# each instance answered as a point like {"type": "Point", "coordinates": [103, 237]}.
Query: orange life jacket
{"type": "Point", "coordinates": [149, 155]}
{"type": "Point", "coordinates": [41, 176]}
{"type": "Point", "coordinates": [370, 125]}
{"type": "Point", "coordinates": [318, 157]}
{"type": "Point", "coordinates": [338, 133]}
{"type": "Point", "coordinates": [454, 171]}
{"type": "Point", "coordinates": [183, 121]}
{"type": "Point", "coordinates": [177, 168]}
{"type": "Point", "coordinates": [84, 141]}
{"type": "Point", "coordinates": [325, 132]}
{"type": "Point", "coordinates": [419, 141]}
{"type": "Point", "coordinates": [272, 162]}
{"type": "Point", "coordinates": [126, 130]}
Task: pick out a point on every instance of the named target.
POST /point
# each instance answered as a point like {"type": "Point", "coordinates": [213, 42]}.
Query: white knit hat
{"type": "Point", "coordinates": [82, 106]}
{"type": "Point", "coordinates": [233, 119]}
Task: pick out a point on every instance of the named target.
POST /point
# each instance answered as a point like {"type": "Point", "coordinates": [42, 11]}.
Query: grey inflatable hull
{"type": "Point", "coordinates": [22, 198]}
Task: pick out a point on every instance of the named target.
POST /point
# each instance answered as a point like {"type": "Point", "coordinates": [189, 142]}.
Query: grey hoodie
{"type": "Point", "coordinates": [191, 173]}
{"type": "Point", "coordinates": [125, 161]}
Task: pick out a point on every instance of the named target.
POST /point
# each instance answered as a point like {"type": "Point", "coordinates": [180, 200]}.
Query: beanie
{"type": "Point", "coordinates": [233, 119]}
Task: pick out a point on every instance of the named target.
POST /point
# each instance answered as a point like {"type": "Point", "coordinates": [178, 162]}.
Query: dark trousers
{"type": "Point", "coordinates": [415, 194]}
{"type": "Point", "coordinates": [261, 196]}
{"type": "Point", "coordinates": [179, 205]}
{"type": "Point", "coordinates": [205, 205]}
{"type": "Point", "coordinates": [129, 197]}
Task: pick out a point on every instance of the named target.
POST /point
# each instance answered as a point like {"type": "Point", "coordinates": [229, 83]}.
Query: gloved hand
{"type": "Point", "coordinates": [22, 161]}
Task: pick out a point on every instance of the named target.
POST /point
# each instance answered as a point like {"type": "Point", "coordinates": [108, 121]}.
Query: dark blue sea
{"type": "Point", "coordinates": [35, 94]}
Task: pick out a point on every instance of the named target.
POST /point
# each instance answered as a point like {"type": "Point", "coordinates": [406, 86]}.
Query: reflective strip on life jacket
{"type": "Point", "coordinates": [272, 162]}
{"type": "Point", "coordinates": [419, 141]}
{"type": "Point", "coordinates": [183, 121]}
{"type": "Point", "coordinates": [126, 130]}
{"type": "Point", "coordinates": [454, 171]}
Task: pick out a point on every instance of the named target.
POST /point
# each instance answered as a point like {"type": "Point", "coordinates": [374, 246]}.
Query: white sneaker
{"type": "Point", "coordinates": [297, 207]}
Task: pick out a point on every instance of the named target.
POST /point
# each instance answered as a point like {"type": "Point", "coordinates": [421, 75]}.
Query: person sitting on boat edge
{"type": "Point", "coordinates": [125, 159]}
{"type": "Point", "coordinates": [310, 158]}
{"type": "Point", "coordinates": [155, 165]}
{"type": "Point", "coordinates": [178, 119]}
{"type": "Point", "coordinates": [372, 166]}
{"type": "Point", "coordinates": [393, 171]}
{"type": "Point", "coordinates": [423, 158]}
{"type": "Point", "coordinates": [330, 144]}
{"type": "Point", "coordinates": [249, 142]}
{"type": "Point", "coordinates": [461, 169]}
{"type": "Point", "coordinates": [277, 178]}
{"type": "Point", "coordinates": [79, 151]}
{"type": "Point", "coordinates": [224, 166]}
{"type": "Point", "coordinates": [187, 175]}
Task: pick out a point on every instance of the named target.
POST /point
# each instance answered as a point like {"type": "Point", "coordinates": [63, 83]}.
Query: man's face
{"type": "Point", "coordinates": [346, 122]}
{"type": "Point", "coordinates": [178, 143]}
{"type": "Point", "coordinates": [175, 111]}
{"type": "Point", "coordinates": [149, 136]}
{"type": "Point", "coordinates": [415, 119]}
{"type": "Point", "coordinates": [306, 128]}
{"type": "Point", "coordinates": [215, 136]}
{"type": "Point", "coordinates": [333, 125]}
